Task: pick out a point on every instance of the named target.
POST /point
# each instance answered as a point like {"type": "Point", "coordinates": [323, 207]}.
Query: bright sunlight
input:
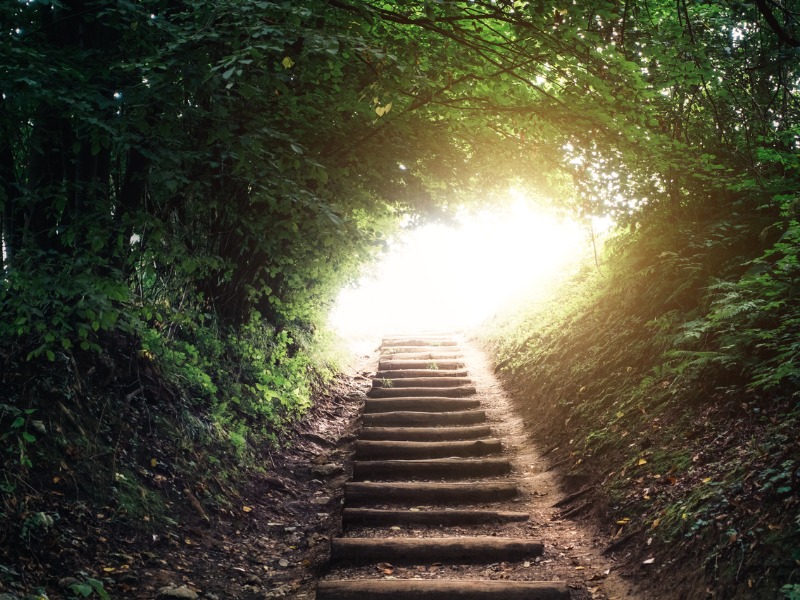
{"type": "Point", "coordinates": [445, 278]}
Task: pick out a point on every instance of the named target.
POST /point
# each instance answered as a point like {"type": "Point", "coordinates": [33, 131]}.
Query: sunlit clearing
{"type": "Point", "coordinates": [438, 278]}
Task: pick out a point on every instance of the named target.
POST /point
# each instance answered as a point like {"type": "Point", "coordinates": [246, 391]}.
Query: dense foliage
{"type": "Point", "coordinates": [186, 185]}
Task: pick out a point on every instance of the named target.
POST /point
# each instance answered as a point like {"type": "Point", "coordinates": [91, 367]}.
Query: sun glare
{"type": "Point", "coordinates": [443, 278]}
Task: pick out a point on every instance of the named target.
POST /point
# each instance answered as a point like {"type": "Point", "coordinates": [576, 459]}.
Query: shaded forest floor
{"type": "Point", "coordinates": [263, 532]}
{"type": "Point", "coordinates": [233, 532]}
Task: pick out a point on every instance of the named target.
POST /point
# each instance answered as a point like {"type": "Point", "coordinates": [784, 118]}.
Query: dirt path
{"type": "Point", "coordinates": [400, 553]}
{"type": "Point", "coordinates": [573, 551]}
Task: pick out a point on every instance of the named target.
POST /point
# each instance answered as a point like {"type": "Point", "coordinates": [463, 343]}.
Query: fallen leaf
{"type": "Point", "coordinates": [247, 509]}
{"type": "Point", "coordinates": [153, 462]}
{"type": "Point", "coordinates": [385, 568]}
{"type": "Point", "coordinates": [287, 63]}
{"type": "Point", "coordinates": [655, 523]}
{"type": "Point", "coordinates": [641, 462]}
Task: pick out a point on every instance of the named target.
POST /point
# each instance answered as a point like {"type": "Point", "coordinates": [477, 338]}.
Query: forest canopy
{"type": "Point", "coordinates": [194, 181]}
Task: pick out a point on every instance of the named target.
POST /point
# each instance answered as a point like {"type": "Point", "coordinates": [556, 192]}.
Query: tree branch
{"type": "Point", "coordinates": [782, 34]}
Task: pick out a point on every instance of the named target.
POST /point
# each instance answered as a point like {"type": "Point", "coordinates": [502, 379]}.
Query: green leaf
{"type": "Point", "coordinates": [83, 589]}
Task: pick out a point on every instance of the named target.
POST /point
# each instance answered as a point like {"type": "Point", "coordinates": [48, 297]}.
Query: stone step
{"type": "Point", "coordinates": [419, 404]}
{"type": "Point", "coordinates": [360, 493]}
{"type": "Point", "coordinates": [425, 434]}
{"type": "Point", "coordinates": [416, 392]}
{"type": "Point", "coordinates": [439, 468]}
{"type": "Point", "coordinates": [406, 418]}
{"type": "Point", "coordinates": [404, 382]}
{"type": "Point", "coordinates": [398, 450]}
{"type": "Point", "coordinates": [418, 551]}
{"type": "Point", "coordinates": [437, 589]}
{"type": "Point", "coordinates": [465, 517]}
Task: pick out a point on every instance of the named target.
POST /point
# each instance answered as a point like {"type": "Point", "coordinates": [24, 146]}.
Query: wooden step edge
{"type": "Point", "coordinates": [401, 450]}
{"type": "Point", "coordinates": [428, 342]}
{"type": "Point", "coordinates": [439, 589]}
{"type": "Point", "coordinates": [431, 365]}
{"type": "Point", "coordinates": [419, 349]}
{"type": "Point", "coordinates": [461, 391]}
{"type": "Point", "coordinates": [404, 382]}
{"type": "Point", "coordinates": [465, 517]}
{"type": "Point", "coordinates": [411, 418]}
{"type": "Point", "coordinates": [439, 468]}
{"type": "Point", "coordinates": [430, 404]}
{"type": "Point", "coordinates": [421, 373]}
{"type": "Point", "coordinates": [427, 494]}
{"type": "Point", "coordinates": [425, 354]}
{"type": "Point", "coordinates": [425, 434]}
{"type": "Point", "coordinates": [459, 550]}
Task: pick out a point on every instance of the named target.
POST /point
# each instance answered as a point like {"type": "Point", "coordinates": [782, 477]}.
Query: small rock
{"type": "Point", "coordinates": [279, 592]}
{"type": "Point", "coordinates": [181, 592]}
{"type": "Point", "coordinates": [322, 500]}
{"type": "Point", "coordinates": [253, 579]}
{"type": "Point", "coordinates": [283, 563]}
{"type": "Point", "coordinates": [327, 470]}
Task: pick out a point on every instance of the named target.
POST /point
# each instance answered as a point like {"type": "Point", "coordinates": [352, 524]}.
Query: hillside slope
{"type": "Point", "coordinates": [668, 382]}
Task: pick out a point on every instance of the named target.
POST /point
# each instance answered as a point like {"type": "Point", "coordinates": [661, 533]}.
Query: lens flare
{"type": "Point", "coordinates": [444, 278]}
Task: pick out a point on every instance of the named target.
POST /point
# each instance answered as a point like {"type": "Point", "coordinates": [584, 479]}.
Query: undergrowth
{"type": "Point", "coordinates": [670, 378]}
{"type": "Point", "coordinates": [170, 411]}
